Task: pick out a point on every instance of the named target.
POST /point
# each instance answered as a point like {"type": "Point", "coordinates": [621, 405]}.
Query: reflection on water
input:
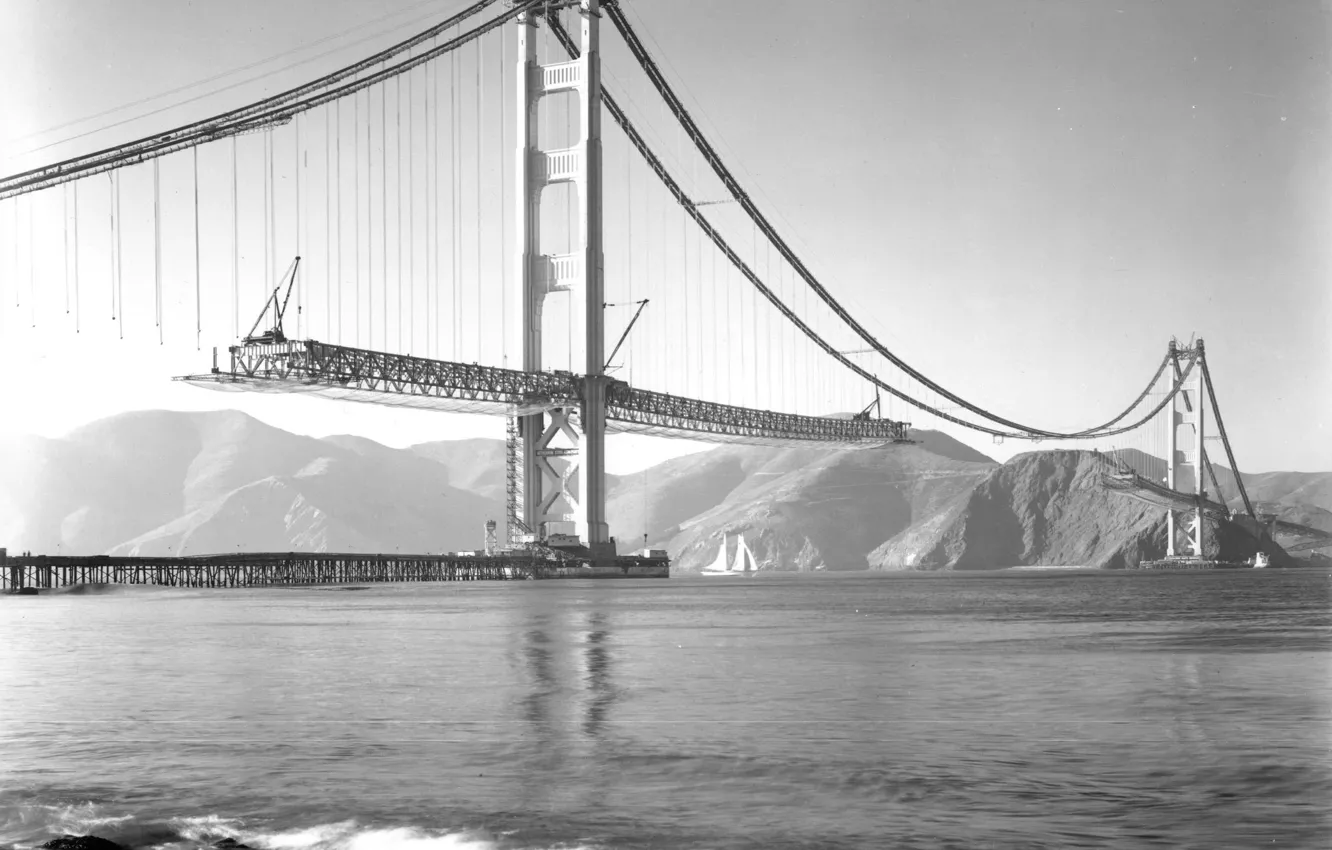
{"type": "Point", "coordinates": [598, 673]}
{"type": "Point", "coordinates": [537, 654]}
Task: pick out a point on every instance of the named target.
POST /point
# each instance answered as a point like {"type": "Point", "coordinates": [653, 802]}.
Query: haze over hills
{"type": "Point", "coordinates": [160, 483]}
{"type": "Point", "coordinates": [163, 483]}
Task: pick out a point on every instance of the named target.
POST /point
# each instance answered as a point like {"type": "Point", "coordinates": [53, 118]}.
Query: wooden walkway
{"type": "Point", "coordinates": [298, 568]}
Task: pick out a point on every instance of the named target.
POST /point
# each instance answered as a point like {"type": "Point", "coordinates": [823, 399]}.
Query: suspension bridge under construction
{"type": "Point", "coordinates": [458, 234]}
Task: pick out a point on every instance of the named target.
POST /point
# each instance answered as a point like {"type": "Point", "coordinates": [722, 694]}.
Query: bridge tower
{"type": "Point", "coordinates": [535, 488]}
{"type": "Point", "coordinates": [1185, 461]}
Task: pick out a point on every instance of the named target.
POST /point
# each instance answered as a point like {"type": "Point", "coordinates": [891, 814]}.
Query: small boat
{"type": "Point", "coordinates": [1260, 561]}
{"type": "Point", "coordinates": [742, 565]}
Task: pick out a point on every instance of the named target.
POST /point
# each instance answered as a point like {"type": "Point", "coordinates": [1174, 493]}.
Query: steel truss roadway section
{"type": "Point", "coordinates": [376, 377]}
{"type": "Point", "coordinates": [274, 110]}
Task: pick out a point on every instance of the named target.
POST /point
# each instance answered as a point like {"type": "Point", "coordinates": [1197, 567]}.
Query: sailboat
{"type": "Point", "coordinates": [741, 565]}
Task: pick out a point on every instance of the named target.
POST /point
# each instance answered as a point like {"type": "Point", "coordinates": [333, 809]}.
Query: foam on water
{"type": "Point", "coordinates": [30, 825]}
{"type": "Point", "coordinates": [76, 818]}
{"type": "Point", "coordinates": [343, 835]}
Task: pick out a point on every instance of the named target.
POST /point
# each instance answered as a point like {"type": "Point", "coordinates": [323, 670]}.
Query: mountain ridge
{"type": "Point", "coordinates": [159, 482]}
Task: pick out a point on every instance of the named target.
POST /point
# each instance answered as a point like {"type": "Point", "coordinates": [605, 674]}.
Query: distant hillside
{"type": "Point", "coordinates": [476, 465]}
{"type": "Point", "coordinates": [169, 483]}
{"type": "Point", "coordinates": [1040, 508]}
{"type": "Point", "coordinates": [1044, 508]}
{"type": "Point", "coordinates": [798, 509]}
{"type": "Point", "coordinates": [179, 483]}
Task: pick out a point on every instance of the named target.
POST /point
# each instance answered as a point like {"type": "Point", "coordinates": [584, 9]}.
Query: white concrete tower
{"type": "Point", "coordinates": [578, 273]}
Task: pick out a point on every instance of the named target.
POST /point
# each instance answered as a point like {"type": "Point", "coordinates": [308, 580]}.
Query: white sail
{"type": "Point", "coordinates": [744, 559]}
{"type": "Point", "coordinates": [718, 565]}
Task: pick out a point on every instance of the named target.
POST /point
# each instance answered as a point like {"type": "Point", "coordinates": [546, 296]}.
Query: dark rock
{"type": "Point", "coordinates": [231, 844]}
{"type": "Point", "coordinates": [1039, 508]}
{"type": "Point", "coordinates": [82, 842]}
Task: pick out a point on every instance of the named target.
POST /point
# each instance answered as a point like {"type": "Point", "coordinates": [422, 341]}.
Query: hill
{"type": "Point", "coordinates": [798, 509]}
{"type": "Point", "coordinates": [161, 483]}
{"type": "Point", "coordinates": [154, 482]}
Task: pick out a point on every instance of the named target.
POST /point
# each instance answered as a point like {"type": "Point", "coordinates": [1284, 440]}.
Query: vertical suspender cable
{"type": "Point", "coordinates": [120, 278]}
{"type": "Point", "coordinates": [369, 238]}
{"type": "Point", "coordinates": [300, 221]}
{"type": "Point", "coordinates": [411, 222]}
{"type": "Point", "coordinates": [455, 207]}
{"type": "Point", "coordinates": [712, 282]}
{"type": "Point", "coordinates": [235, 246]}
{"type": "Point", "coordinates": [270, 248]}
{"type": "Point", "coordinates": [356, 213]}
{"type": "Point", "coordinates": [32, 272]}
{"type": "Point", "coordinates": [684, 274]}
{"type": "Point", "coordinates": [78, 311]}
{"type": "Point", "coordinates": [64, 208]}
{"type": "Point", "coordinates": [430, 168]}
{"type": "Point", "coordinates": [111, 220]}
{"type": "Point", "coordinates": [572, 246]}
{"type": "Point", "coordinates": [198, 308]}
{"type": "Point", "coordinates": [629, 242]}
{"type": "Point", "coordinates": [383, 206]}
{"type": "Point", "coordinates": [337, 153]}
{"type": "Point", "coordinates": [480, 118]}
{"type": "Point", "coordinates": [14, 257]}
{"type": "Point", "coordinates": [397, 105]}
{"type": "Point", "coordinates": [666, 293]}
{"type": "Point", "coordinates": [730, 371]}
{"type": "Point", "coordinates": [768, 328]}
{"type": "Point", "coordinates": [157, 249]}
{"type": "Point", "coordinates": [755, 302]}
{"type": "Point", "coordinates": [438, 188]}
{"type": "Point", "coordinates": [431, 86]}
{"type": "Point", "coordinates": [504, 233]}
{"type": "Point", "coordinates": [328, 223]}
{"type": "Point", "coordinates": [13, 243]}
{"type": "Point", "coordinates": [702, 304]}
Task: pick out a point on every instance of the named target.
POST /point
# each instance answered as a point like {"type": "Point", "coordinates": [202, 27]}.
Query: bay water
{"type": "Point", "coordinates": [1007, 709]}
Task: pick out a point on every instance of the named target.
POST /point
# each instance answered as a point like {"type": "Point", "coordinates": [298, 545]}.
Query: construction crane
{"type": "Point", "coordinates": [625, 335]}
{"type": "Point", "coordinates": [876, 406]}
{"type": "Point", "coordinates": [274, 334]}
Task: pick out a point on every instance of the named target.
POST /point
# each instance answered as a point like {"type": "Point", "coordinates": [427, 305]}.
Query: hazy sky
{"type": "Point", "coordinates": [1024, 199]}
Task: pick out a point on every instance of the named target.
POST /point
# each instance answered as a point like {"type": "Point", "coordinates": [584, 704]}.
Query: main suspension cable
{"type": "Point", "coordinates": [279, 107]}
{"type": "Point", "coordinates": [650, 67]}
{"type": "Point", "coordinates": [691, 208]}
{"type": "Point", "coordinates": [1221, 427]}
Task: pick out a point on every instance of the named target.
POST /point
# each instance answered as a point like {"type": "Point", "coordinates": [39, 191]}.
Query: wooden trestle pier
{"type": "Point", "coordinates": [267, 569]}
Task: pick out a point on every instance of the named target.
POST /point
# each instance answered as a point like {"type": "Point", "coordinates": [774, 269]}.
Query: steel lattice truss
{"type": "Point", "coordinates": [376, 377]}
{"type": "Point", "coordinates": [644, 411]}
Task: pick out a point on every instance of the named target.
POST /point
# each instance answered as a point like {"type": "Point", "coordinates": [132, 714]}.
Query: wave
{"type": "Point", "coordinates": [28, 825]}
{"type": "Point", "coordinates": [345, 835]}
